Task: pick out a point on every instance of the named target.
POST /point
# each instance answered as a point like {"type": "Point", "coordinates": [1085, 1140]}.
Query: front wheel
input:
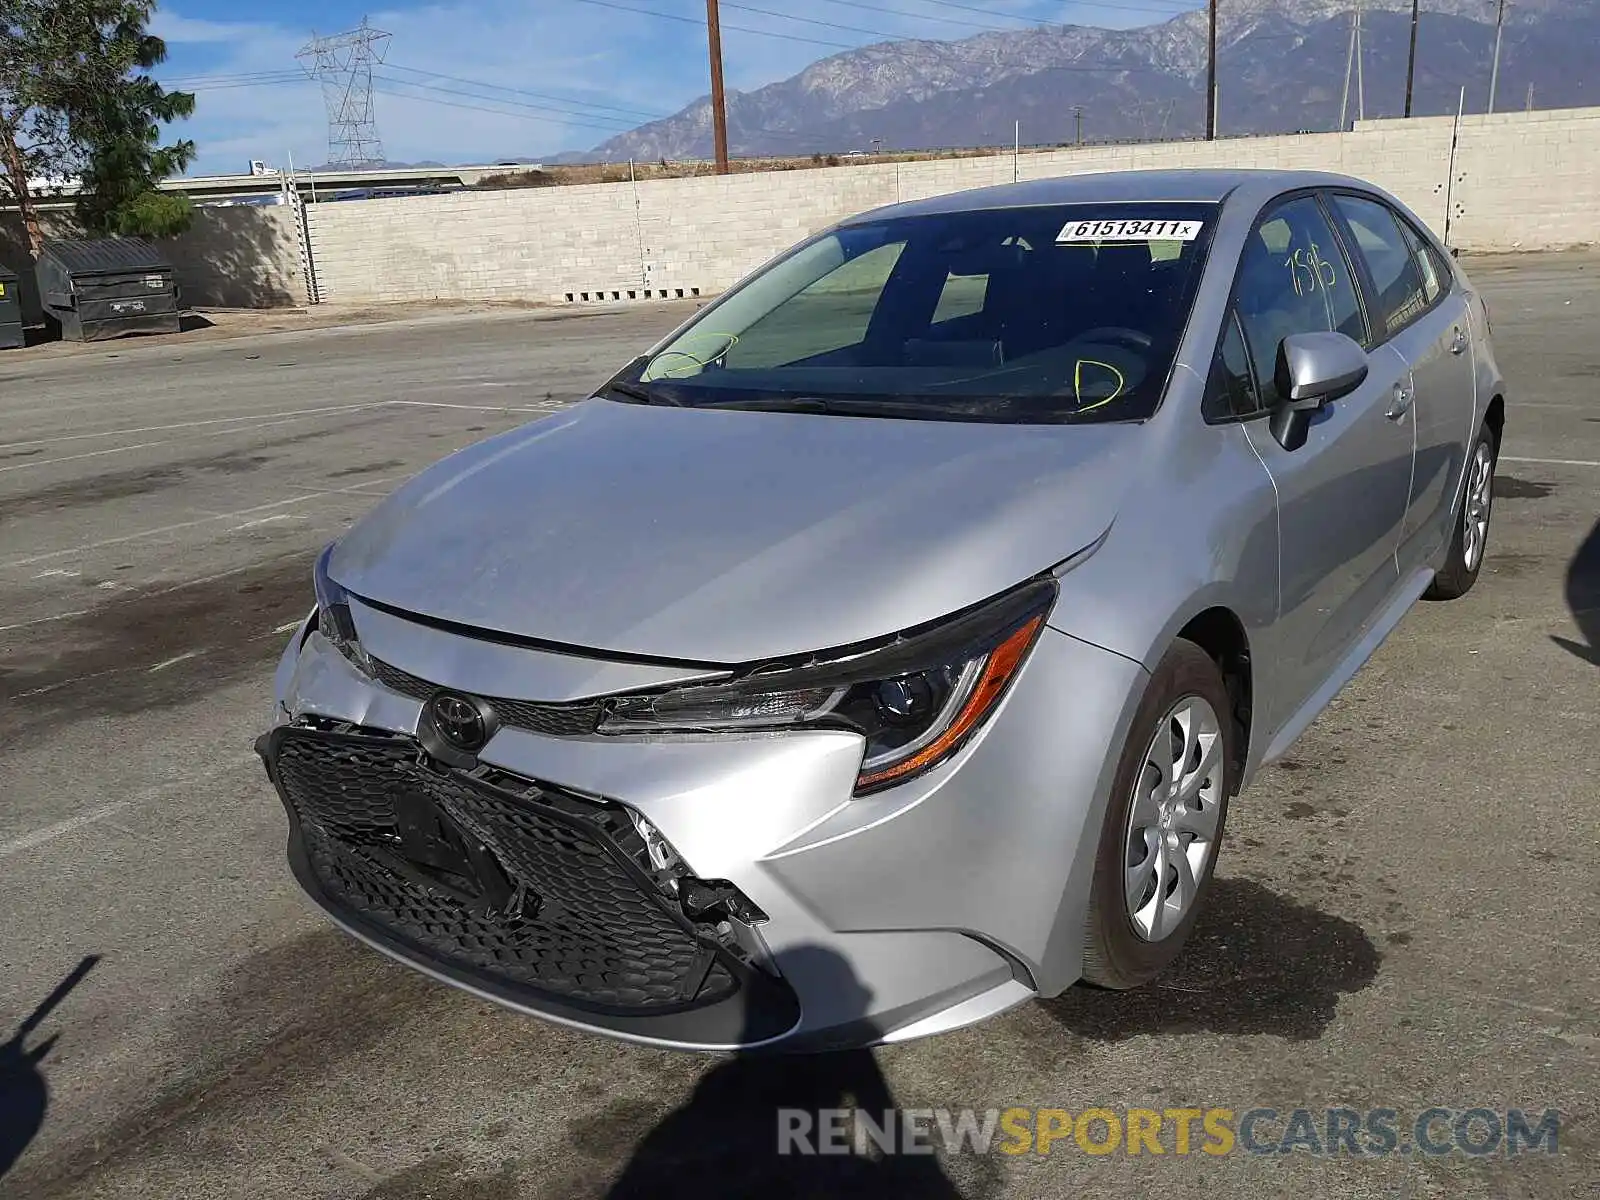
{"type": "Point", "coordinates": [1163, 826]}
{"type": "Point", "coordinates": [1471, 536]}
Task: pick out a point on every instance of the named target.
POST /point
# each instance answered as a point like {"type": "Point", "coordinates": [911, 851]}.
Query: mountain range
{"type": "Point", "coordinates": [1281, 67]}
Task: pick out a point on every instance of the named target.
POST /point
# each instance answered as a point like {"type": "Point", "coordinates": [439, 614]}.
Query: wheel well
{"type": "Point", "coordinates": [1495, 418]}
{"type": "Point", "coordinates": [1220, 634]}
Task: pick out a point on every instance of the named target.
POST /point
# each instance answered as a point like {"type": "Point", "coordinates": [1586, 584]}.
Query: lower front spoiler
{"type": "Point", "coordinates": [757, 1013]}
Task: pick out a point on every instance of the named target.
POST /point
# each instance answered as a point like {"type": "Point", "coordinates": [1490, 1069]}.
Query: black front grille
{"type": "Point", "coordinates": [552, 720]}
{"type": "Point", "coordinates": [522, 885]}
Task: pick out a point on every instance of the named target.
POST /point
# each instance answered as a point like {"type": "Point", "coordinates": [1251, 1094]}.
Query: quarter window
{"type": "Point", "coordinates": [1233, 392]}
{"type": "Point", "coordinates": [1293, 278]}
{"type": "Point", "coordinates": [1433, 273]}
{"type": "Point", "coordinates": [1396, 272]}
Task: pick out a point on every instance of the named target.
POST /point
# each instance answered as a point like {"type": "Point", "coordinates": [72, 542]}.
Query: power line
{"type": "Point", "coordinates": [594, 104]}
{"type": "Point", "coordinates": [900, 12]}
{"type": "Point", "coordinates": [767, 12]}
{"type": "Point", "coordinates": [387, 87]}
{"type": "Point", "coordinates": [1112, 4]}
{"type": "Point", "coordinates": [251, 83]}
{"type": "Point", "coordinates": [431, 91]}
{"type": "Point", "coordinates": [619, 123]}
{"type": "Point", "coordinates": [771, 33]}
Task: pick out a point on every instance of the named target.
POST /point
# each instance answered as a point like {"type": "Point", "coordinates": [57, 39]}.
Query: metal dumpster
{"type": "Point", "coordinates": [10, 310]}
{"type": "Point", "coordinates": [107, 287]}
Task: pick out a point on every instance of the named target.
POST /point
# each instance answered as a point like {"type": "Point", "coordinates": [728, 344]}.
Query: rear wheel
{"type": "Point", "coordinates": [1471, 536]}
{"type": "Point", "coordinates": [1163, 828]}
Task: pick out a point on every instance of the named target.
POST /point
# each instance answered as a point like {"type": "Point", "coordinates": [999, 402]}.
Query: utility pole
{"type": "Point", "coordinates": [1078, 113]}
{"type": "Point", "coordinates": [1211, 73]}
{"type": "Point", "coordinates": [1016, 148]}
{"type": "Point", "coordinates": [719, 105]}
{"type": "Point", "coordinates": [1494, 73]}
{"type": "Point", "coordinates": [1353, 69]}
{"type": "Point", "coordinates": [1349, 73]}
{"type": "Point", "coordinates": [1530, 97]}
{"type": "Point", "coordinates": [1411, 59]}
{"type": "Point", "coordinates": [1361, 58]}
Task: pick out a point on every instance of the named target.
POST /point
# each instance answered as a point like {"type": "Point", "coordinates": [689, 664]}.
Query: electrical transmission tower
{"type": "Point", "coordinates": [343, 64]}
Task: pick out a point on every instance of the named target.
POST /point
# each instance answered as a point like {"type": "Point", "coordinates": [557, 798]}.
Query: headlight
{"type": "Point", "coordinates": [915, 700]}
{"type": "Point", "coordinates": [334, 621]}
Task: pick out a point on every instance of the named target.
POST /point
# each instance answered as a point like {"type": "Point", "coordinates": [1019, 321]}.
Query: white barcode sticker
{"type": "Point", "coordinates": [1129, 230]}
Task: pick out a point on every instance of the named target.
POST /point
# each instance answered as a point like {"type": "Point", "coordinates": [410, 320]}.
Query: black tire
{"type": "Point", "coordinates": [1456, 578]}
{"type": "Point", "coordinates": [1115, 955]}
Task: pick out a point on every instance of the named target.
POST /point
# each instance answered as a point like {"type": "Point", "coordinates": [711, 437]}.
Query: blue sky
{"type": "Point", "coordinates": [578, 70]}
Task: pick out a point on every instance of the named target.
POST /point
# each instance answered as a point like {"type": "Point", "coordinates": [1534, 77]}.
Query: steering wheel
{"type": "Point", "coordinates": [1117, 333]}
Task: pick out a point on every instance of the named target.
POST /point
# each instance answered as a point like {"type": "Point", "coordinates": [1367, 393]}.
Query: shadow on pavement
{"type": "Point", "coordinates": [1583, 598]}
{"type": "Point", "coordinates": [1257, 962]}
{"type": "Point", "coordinates": [24, 1095]}
{"type": "Point", "coordinates": [723, 1142]}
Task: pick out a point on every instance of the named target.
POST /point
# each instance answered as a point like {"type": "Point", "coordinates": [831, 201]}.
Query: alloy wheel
{"type": "Point", "coordinates": [1480, 496]}
{"type": "Point", "coordinates": [1173, 821]}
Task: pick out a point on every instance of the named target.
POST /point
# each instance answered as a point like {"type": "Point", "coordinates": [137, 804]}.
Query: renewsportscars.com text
{"type": "Point", "coordinates": [1327, 1132]}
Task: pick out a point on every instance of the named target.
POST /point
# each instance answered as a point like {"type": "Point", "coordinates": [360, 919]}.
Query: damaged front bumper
{"type": "Point", "coordinates": [704, 893]}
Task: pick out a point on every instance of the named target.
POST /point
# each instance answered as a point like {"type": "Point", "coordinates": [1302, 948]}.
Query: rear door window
{"type": "Point", "coordinates": [1397, 276]}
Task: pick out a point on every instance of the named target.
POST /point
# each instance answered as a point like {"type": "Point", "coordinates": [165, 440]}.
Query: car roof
{"type": "Point", "coordinates": [1104, 187]}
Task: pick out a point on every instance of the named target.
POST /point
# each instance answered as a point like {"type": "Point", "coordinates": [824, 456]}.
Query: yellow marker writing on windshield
{"type": "Point", "coordinates": [1077, 382]}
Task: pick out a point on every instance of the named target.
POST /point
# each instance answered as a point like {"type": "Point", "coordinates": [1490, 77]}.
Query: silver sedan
{"type": "Point", "coordinates": [883, 648]}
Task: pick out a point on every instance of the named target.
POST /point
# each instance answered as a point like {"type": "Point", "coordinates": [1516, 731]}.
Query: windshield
{"type": "Point", "coordinates": [1022, 315]}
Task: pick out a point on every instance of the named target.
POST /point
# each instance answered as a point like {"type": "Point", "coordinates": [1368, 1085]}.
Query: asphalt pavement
{"type": "Point", "coordinates": [1404, 915]}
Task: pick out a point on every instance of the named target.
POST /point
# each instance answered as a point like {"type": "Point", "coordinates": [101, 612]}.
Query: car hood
{"type": "Point", "coordinates": [730, 537]}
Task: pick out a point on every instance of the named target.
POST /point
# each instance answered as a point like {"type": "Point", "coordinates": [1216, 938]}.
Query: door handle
{"type": "Point", "coordinates": [1458, 343]}
{"type": "Point", "coordinates": [1401, 404]}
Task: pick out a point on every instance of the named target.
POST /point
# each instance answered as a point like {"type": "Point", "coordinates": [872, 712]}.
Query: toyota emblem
{"type": "Point", "coordinates": [460, 721]}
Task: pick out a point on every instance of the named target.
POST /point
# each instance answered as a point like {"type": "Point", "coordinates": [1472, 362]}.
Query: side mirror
{"type": "Point", "coordinates": [1312, 370]}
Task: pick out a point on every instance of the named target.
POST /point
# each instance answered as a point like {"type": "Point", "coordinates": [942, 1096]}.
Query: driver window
{"type": "Point", "coordinates": [1293, 279]}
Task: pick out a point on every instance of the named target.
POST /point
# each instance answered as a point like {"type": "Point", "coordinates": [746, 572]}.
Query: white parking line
{"type": "Point", "coordinates": [159, 530]}
{"type": "Point", "coordinates": [166, 591]}
{"type": "Point", "coordinates": [237, 429]}
{"type": "Point", "coordinates": [50, 462]}
{"type": "Point", "coordinates": [172, 662]}
{"type": "Point", "coordinates": [60, 829]}
{"type": "Point", "coordinates": [550, 407]}
{"type": "Point", "coordinates": [268, 521]}
{"type": "Point", "coordinates": [1551, 462]}
{"type": "Point", "coordinates": [41, 837]}
{"type": "Point", "coordinates": [298, 412]}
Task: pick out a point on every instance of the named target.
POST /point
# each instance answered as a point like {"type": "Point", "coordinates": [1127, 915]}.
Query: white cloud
{"type": "Point", "coordinates": [179, 30]}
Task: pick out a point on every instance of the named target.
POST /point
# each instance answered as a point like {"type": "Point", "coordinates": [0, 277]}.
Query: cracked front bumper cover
{"type": "Point", "coordinates": [524, 893]}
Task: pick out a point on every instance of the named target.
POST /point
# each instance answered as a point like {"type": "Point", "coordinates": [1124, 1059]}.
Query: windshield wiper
{"type": "Point", "coordinates": [918, 409]}
{"type": "Point", "coordinates": [641, 394]}
{"type": "Point", "coordinates": [814, 404]}
{"type": "Point", "coordinates": [637, 394]}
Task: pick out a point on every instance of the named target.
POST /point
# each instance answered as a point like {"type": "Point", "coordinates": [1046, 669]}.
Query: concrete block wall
{"type": "Point", "coordinates": [239, 257]}
{"type": "Point", "coordinates": [1521, 181]}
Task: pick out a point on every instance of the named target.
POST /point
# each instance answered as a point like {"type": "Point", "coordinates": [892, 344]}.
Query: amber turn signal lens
{"type": "Point", "coordinates": [997, 672]}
